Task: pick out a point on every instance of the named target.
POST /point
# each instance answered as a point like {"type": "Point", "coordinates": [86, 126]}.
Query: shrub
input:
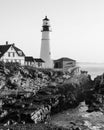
{"type": "Point", "coordinates": [12, 66]}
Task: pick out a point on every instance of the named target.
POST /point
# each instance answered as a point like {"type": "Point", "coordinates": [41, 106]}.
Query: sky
{"type": "Point", "coordinates": [77, 27]}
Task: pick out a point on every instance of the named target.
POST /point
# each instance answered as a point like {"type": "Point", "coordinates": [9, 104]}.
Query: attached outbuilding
{"type": "Point", "coordinates": [39, 63]}
{"type": "Point", "coordinates": [29, 61]}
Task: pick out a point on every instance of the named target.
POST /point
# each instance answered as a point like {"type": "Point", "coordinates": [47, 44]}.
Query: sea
{"type": "Point", "coordinates": [94, 69]}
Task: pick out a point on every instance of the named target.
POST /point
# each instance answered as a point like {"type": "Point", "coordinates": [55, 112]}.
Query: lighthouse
{"type": "Point", "coordinates": [45, 53]}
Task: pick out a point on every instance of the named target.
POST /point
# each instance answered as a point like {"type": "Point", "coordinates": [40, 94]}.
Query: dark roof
{"type": "Point", "coordinates": [29, 58]}
{"type": "Point", "coordinates": [64, 59]}
{"type": "Point", "coordinates": [4, 49]}
{"type": "Point", "coordinates": [38, 60]}
{"type": "Point", "coordinates": [46, 18]}
{"type": "Point", "coordinates": [19, 52]}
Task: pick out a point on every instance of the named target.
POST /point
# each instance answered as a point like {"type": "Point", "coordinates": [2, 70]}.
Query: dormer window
{"type": "Point", "coordinates": [20, 53]}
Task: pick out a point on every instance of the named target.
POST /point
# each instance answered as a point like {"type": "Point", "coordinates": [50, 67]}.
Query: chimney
{"type": "Point", "coordinates": [6, 42]}
{"type": "Point", "coordinates": [13, 44]}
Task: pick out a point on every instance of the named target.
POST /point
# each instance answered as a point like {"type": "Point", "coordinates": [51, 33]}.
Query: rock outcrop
{"type": "Point", "coordinates": [31, 95]}
{"type": "Point", "coordinates": [95, 97]}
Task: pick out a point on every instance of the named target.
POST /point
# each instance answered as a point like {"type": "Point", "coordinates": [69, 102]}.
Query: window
{"type": "Point", "coordinates": [7, 60]}
{"type": "Point", "coordinates": [11, 48]}
{"type": "Point", "coordinates": [8, 54]}
{"type": "Point", "coordinates": [39, 64]}
{"type": "Point", "coordinates": [27, 63]}
{"type": "Point", "coordinates": [30, 63]}
{"type": "Point", "coordinates": [13, 54]}
{"type": "Point", "coordinates": [20, 53]}
{"type": "Point", "coordinates": [20, 61]}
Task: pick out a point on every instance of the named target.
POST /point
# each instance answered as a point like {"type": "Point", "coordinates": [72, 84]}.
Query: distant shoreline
{"type": "Point", "coordinates": [93, 69]}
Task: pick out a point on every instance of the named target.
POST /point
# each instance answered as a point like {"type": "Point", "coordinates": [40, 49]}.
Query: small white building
{"type": "Point", "coordinates": [64, 63]}
{"type": "Point", "coordinates": [39, 63]}
{"type": "Point", "coordinates": [35, 62]}
{"type": "Point", "coordinates": [29, 61]}
{"type": "Point", "coordinates": [10, 53]}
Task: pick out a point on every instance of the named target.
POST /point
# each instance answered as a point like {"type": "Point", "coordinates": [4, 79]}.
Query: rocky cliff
{"type": "Point", "coordinates": [95, 97]}
{"type": "Point", "coordinates": [31, 95]}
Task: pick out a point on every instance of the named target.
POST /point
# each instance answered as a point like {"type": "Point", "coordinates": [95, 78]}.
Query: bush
{"type": "Point", "coordinates": [12, 66]}
{"type": "Point", "coordinates": [2, 64]}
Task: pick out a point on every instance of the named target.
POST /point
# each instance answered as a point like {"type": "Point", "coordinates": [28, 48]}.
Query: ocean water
{"type": "Point", "coordinates": [94, 69]}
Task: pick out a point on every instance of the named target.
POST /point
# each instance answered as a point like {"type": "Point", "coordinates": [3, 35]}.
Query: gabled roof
{"type": "Point", "coordinates": [19, 52]}
{"type": "Point", "coordinates": [29, 58]}
{"type": "Point", "coordinates": [38, 60]}
{"type": "Point", "coordinates": [4, 49]}
{"type": "Point", "coordinates": [64, 59]}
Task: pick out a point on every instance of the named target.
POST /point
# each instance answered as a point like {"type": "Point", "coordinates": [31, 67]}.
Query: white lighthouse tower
{"type": "Point", "coordinates": [45, 53]}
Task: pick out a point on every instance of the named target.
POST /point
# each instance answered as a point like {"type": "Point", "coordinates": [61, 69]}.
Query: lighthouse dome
{"type": "Point", "coordinates": [46, 21]}
{"type": "Point", "coordinates": [46, 18]}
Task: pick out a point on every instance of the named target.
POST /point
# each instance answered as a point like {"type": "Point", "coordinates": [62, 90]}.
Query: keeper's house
{"type": "Point", "coordinates": [10, 53]}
